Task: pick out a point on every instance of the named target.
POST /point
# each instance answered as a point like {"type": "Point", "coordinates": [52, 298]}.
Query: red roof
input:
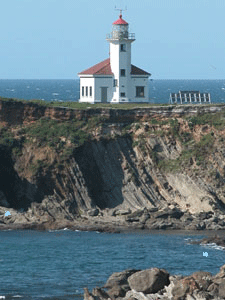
{"type": "Point", "coordinates": [120, 21]}
{"type": "Point", "coordinates": [104, 68]}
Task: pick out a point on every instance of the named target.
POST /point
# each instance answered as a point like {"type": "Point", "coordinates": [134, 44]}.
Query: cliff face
{"type": "Point", "coordinates": [17, 113]}
{"type": "Point", "coordinates": [120, 162]}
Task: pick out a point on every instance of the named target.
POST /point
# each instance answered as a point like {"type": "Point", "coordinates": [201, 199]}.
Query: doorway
{"type": "Point", "coordinates": [104, 94]}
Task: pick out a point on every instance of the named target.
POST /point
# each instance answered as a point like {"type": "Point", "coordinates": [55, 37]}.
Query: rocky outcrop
{"type": "Point", "coordinates": [155, 284]}
{"type": "Point", "coordinates": [135, 168]}
{"type": "Point", "coordinates": [149, 281]}
{"type": "Point", "coordinates": [217, 240]}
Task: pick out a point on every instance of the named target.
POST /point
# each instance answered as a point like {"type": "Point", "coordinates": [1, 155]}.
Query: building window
{"type": "Point", "coordinates": [82, 91]}
{"type": "Point", "coordinates": [86, 91]}
{"type": "Point", "coordinates": [122, 94]}
{"type": "Point", "coordinates": [115, 82]}
{"type": "Point", "coordinates": [90, 91]}
{"type": "Point", "coordinates": [122, 47]}
{"type": "Point", "coordinates": [140, 91]}
{"type": "Point", "coordinates": [123, 72]}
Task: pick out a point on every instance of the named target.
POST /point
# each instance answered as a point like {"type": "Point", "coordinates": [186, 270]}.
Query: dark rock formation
{"type": "Point", "coordinates": [155, 284]}
{"type": "Point", "coordinates": [117, 283]}
{"type": "Point", "coordinates": [149, 281]}
{"type": "Point", "coordinates": [219, 241]}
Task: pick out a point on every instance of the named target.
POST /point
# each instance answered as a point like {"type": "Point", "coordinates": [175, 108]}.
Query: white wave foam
{"type": "Point", "coordinates": [213, 245]}
{"type": "Point", "coordinates": [55, 94]}
{"type": "Point", "coordinates": [2, 297]}
{"type": "Point", "coordinates": [17, 296]}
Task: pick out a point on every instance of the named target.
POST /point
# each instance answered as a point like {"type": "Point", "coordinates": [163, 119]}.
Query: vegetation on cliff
{"type": "Point", "coordinates": [64, 136]}
{"type": "Point", "coordinates": [93, 160]}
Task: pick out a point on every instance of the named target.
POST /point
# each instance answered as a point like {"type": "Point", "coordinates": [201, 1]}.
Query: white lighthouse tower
{"type": "Point", "coordinates": [115, 80]}
{"type": "Point", "coordinates": [120, 58]}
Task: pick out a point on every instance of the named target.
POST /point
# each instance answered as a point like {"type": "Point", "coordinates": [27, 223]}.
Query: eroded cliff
{"type": "Point", "coordinates": [159, 167]}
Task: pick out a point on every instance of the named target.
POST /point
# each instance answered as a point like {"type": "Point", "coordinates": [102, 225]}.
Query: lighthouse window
{"type": "Point", "coordinates": [90, 92]}
{"type": "Point", "coordinates": [140, 91]}
{"type": "Point", "coordinates": [123, 72]}
{"type": "Point", "coordinates": [122, 94]}
{"type": "Point", "coordinates": [115, 82]}
{"type": "Point", "coordinates": [122, 47]}
{"type": "Point", "coordinates": [86, 91]}
{"type": "Point", "coordinates": [82, 91]}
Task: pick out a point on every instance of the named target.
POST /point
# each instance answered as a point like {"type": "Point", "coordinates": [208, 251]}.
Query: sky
{"type": "Point", "coordinates": [56, 39]}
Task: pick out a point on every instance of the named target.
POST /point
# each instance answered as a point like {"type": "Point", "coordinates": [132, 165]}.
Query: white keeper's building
{"type": "Point", "coordinates": [115, 79]}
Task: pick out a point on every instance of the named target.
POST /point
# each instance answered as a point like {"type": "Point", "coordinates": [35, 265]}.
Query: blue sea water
{"type": "Point", "coordinates": [59, 264]}
{"type": "Point", "coordinates": [68, 90]}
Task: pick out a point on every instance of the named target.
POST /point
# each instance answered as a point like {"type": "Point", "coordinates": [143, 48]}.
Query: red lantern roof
{"type": "Point", "coordinates": [120, 21]}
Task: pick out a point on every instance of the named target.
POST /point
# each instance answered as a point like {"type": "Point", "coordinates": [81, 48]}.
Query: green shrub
{"type": "Point", "coordinates": [217, 120]}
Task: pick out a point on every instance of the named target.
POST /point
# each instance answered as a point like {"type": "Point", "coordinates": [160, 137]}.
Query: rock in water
{"type": "Point", "coordinates": [119, 278]}
{"type": "Point", "coordinates": [149, 281]}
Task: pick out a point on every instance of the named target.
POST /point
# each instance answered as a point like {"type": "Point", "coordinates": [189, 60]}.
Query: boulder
{"type": "Point", "coordinates": [200, 295]}
{"type": "Point", "coordinates": [93, 212]}
{"type": "Point", "coordinates": [88, 295]}
{"type": "Point", "coordinates": [144, 218]}
{"type": "Point", "coordinates": [98, 292]}
{"type": "Point", "coordinates": [205, 215]}
{"type": "Point", "coordinates": [172, 213]}
{"type": "Point", "coordinates": [222, 289]}
{"type": "Point", "coordinates": [183, 287]}
{"type": "Point", "coordinates": [221, 273]}
{"type": "Point", "coordinates": [122, 212]}
{"type": "Point", "coordinates": [131, 220]}
{"type": "Point", "coordinates": [119, 279]}
{"type": "Point", "coordinates": [149, 281]}
{"type": "Point", "coordinates": [213, 289]}
{"type": "Point", "coordinates": [204, 279]}
{"type": "Point", "coordinates": [153, 209]}
{"type": "Point", "coordinates": [137, 213]}
{"type": "Point", "coordinates": [116, 292]}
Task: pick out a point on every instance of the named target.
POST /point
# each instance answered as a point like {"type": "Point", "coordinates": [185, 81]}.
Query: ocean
{"type": "Point", "coordinates": [68, 90]}
{"type": "Point", "coordinates": [59, 264]}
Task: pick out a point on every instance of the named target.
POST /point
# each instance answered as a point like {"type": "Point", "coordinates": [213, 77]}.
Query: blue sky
{"type": "Point", "coordinates": [56, 39]}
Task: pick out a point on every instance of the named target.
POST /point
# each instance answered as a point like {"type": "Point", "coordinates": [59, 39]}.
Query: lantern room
{"type": "Point", "coordinates": [120, 29]}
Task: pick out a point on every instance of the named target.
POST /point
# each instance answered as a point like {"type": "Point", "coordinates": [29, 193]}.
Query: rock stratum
{"type": "Point", "coordinates": [158, 284]}
{"type": "Point", "coordinates": [159, 167]}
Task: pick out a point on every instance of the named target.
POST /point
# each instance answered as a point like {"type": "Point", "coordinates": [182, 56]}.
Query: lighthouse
{"type": "Point", "coordinates": [115, 80]}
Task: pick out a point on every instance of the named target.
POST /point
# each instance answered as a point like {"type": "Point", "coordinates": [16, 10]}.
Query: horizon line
{"type": "Point", "coordinates": [151, 79]}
